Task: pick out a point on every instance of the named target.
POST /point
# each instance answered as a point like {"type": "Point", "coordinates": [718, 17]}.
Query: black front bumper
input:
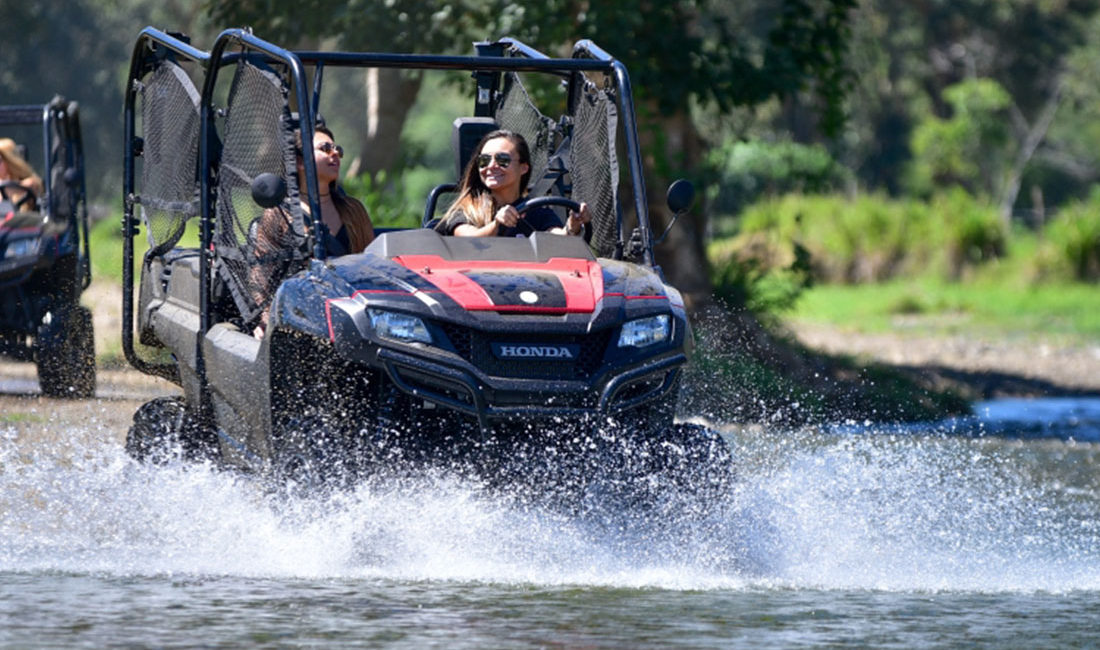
{"type": "Point", "coordinates": [467, 390]}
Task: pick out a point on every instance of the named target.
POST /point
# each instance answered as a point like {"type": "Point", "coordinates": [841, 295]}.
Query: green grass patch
{"type": "Point", "coordinates": [1068, 312]}
{"type": "Point", "coordinates": [22, 417]}
{"type": "Point", "coordinates": [105, 241]}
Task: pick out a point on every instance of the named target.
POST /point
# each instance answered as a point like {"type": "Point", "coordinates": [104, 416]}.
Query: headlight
{"type": "Point", "coordinates": [644, 331]}
{"type": "Point", "coordinates": [398, 327]}
{"type": "Point", "coordinates": [21, 247]}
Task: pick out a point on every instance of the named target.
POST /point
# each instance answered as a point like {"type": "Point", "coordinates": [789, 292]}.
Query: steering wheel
{"type": "Point", "coordinates": [540, 201]}
{"type": "Point", "coordinates": [10, 188]}
{"type": "Point", "coordinates": [543, 201]}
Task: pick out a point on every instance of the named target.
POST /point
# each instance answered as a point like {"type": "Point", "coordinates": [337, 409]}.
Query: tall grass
{"type": "Point", "coordinates": [871, 263]}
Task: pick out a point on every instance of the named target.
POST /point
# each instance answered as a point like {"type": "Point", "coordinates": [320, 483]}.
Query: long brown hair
{"type": "Point", "coordinates": [18, 168]}
{"type": "Point", "coordinates": [353, 214]}
{"type": "Point", "coordinates": [474, 198]}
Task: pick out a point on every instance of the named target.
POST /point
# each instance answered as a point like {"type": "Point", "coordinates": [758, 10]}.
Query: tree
{"type": "Point", "coordinates": [690, 53]}
{"type": "Point", "coordinates": [971, 148]}
{"type": "Point", "coordinates": [908, 53]}
{"type": "Point", "coordinates": [81, 49]}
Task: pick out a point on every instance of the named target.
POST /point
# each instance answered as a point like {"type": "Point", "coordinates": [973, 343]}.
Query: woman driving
{"type": "Point", "coordinates": [494, 181]}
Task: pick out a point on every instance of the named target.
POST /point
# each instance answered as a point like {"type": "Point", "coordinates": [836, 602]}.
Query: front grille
{"type": "Point", "coordinates": [476, 347]}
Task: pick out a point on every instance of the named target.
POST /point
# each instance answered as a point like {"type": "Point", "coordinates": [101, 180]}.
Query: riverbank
{"type": "Point", "coordinates": [974, 365]}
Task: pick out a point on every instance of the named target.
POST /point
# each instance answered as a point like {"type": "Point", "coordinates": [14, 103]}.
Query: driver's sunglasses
{"type": "Point", "coordinates": [503, 159]}
{"type": "Point", "coordinates": [327, 148]}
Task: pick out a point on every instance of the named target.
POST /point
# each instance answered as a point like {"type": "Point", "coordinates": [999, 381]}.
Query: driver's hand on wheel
{"type": "Point", "coordinates": [507, 216]}
{"type": "Point", "coordinates": [574, 224]}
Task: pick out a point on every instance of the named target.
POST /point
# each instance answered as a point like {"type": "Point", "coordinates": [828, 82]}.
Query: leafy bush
{"type": "Point", "coordinates": [845, 240]}
{"type": "Point", "coordinates": [973, 230]}
{"type": "Point", "coordinates": [794, 240]}
{"type": "Point", "coordinates": [747, 171]}
{"type": "Point", "coordinates": [740, 278]}
{"type": "Point", "coordinates": [1072, 247]}
{"type": "Point", "coordinates": [385, 199]}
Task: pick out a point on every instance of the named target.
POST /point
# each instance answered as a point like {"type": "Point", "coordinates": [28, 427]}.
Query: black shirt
{"type": "Point", "coordinates": [536, 220]}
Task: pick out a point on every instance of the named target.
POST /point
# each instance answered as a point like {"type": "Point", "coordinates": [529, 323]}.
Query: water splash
{"type": "Point", "coordinates": [928, 512]}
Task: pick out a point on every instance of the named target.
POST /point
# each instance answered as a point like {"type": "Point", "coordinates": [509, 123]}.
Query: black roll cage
{"type": "Point", "coordinates": [154, 44]}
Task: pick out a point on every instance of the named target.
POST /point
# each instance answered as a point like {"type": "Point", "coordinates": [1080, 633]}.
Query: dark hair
{"type": "Point", "coordinates": [353, 214]}
{"type": "Point", "coordinates": [472, 191]}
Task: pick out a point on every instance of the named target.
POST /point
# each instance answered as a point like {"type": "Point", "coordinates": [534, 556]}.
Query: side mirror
{"type": "Point", "coordinates": [680, 196]}
{"type": "Point", "coordinates": [268, 190]}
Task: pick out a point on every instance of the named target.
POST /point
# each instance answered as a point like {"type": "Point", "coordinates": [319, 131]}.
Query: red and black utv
{"type": "Point", "coordinates": [547, 351]}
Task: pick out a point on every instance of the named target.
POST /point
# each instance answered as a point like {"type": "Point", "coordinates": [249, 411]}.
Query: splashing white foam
{"type": "Point", "coordinates": [883, 512]}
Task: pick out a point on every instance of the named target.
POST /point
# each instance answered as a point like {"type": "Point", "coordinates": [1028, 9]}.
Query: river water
{"type": "Point", "coordinates": [977, 532]}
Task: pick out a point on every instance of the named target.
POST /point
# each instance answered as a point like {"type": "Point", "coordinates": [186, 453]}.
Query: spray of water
{"type": "Point", "coordinates": [927, 512]}
{"type": "Point", "coordinates": [893, 512]}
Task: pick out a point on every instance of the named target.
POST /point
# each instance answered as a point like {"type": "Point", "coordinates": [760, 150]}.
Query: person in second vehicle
{"type": "Point", "coordinates": [494, 181]}
{"type": "Point", "coordinates": [14, 168]}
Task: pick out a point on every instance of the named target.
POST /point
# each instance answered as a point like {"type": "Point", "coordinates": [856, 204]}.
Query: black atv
{"type": "Point", "coordinates": [44, 263]}
{"type": "Point", "coordinates": [545, 356]}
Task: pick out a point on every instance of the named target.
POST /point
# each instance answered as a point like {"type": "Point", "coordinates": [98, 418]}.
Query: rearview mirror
{"type": "Point", "coordinates": [680, 196]}
{"type": "Point", "coordinates": [268, 190]}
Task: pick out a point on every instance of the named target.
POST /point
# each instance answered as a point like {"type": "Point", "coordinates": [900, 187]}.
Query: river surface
{"type": "Point", "coordinates": [981, 532]}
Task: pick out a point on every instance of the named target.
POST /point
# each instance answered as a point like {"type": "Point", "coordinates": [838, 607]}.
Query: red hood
{"type": "Point", "coordinates": [557, 286]}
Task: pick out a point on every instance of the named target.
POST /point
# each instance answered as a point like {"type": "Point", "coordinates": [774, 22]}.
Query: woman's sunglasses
{"type": "Point", "coordinates": [327, 148]}
{"type": "Point", "coordinates": [503, 159]}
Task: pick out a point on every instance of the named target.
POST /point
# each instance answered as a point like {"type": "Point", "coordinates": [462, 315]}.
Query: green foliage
{"type": "Point", "coordinates": [848, 240]}
{"type": "Point", "coordinates": [385, 199]}
{"type": "Point", "coordinates": [81, 49]}
{"type": "Point", "coordinates": [974, 232]}
{"type": "Point", "coordinates": [682, 50]}
{"type": "Point", "coordinates": [366, 25]}
{"type": "Point", "coordinates": [834, 239]}
{"type": "Point", "coordinates": [758, 284]}
{"type": "Point", "coordinates": [1072, 247]}
{"type": "Point", "coordinates": [675, 50]}
{"type": "Point", "coordinates": [746, 171]}
{"type": "Point", "coordinates": [971, 148]}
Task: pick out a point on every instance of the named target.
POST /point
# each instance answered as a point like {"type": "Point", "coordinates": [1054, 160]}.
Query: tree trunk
{"type": "Point", "coordinates": [390, 96]}
{"type": "Point", "coordinates": [682, 254]}
{"type": "Point", "coordinates": [1032, 137]}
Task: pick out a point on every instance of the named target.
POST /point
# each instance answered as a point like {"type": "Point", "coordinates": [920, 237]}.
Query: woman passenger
{"type": "Point", "coordinates": [348, 228]}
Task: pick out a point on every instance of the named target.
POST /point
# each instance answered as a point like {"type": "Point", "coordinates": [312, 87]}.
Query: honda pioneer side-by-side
{"type": "Point", "coordinates": [44, 263]}
{"type": "Point", "coordinates": [556, 352]}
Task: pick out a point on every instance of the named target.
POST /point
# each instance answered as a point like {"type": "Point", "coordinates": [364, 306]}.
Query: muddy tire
{"type": "Point", "coordinates": [164, 429]}
{"type": "Point", "coordinates": [66, 363]}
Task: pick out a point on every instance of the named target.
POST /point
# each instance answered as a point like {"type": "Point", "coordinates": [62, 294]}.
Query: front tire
{"type": "Point", "coordinates": [164, 430]}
